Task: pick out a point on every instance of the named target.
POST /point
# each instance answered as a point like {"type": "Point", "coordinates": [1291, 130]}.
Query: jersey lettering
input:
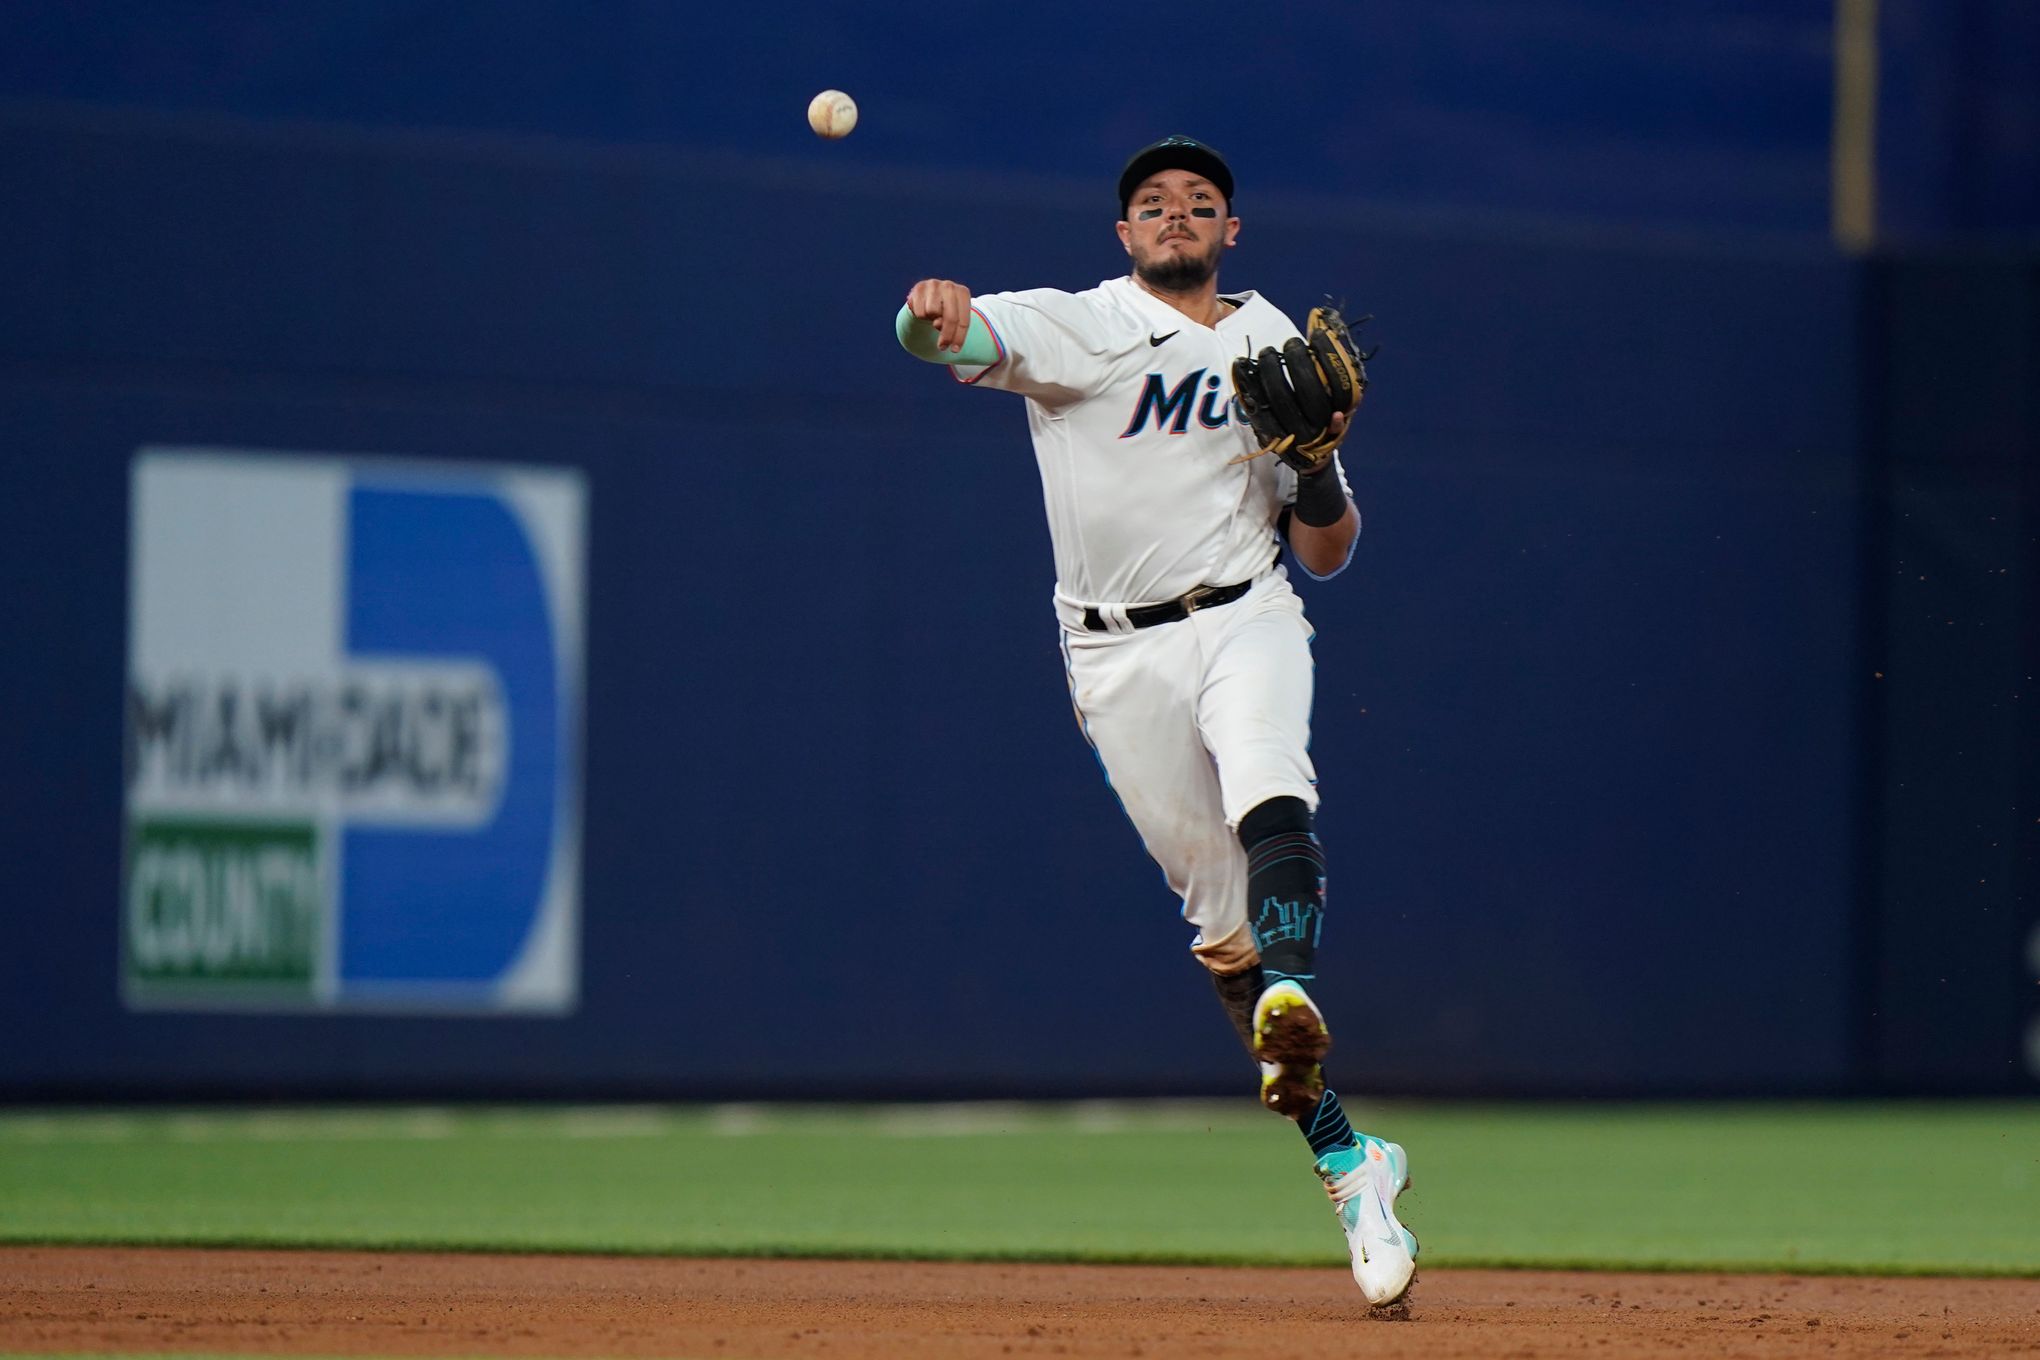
{"type": "Point", "coordinates": [1171, 411]}
{"type": "Point", "coordinates": [1208, 418]}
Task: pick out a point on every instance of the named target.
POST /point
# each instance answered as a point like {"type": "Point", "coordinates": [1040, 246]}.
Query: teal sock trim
{"type": "Point", "coordinates": [1328, 1129]}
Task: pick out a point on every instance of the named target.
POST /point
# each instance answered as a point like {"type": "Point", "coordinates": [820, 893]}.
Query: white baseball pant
{"type": "Point", "coordinates": [1197, 723]}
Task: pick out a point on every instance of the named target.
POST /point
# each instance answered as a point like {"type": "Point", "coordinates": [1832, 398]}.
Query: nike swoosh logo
{"type": "Point", "coordinates": [1394, 1243]}
{"type": "Point", "coordinates": [1154, 339]}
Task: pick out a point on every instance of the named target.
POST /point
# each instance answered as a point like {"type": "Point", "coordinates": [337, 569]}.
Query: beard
{"type": "Point", "coordinates": [1177, 273]}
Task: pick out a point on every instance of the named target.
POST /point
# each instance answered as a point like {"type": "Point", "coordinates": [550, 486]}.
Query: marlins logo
{"type": "Point", "coordinates": [1169, 407]}
{"type": "Point", "coordinates": [352, 734]}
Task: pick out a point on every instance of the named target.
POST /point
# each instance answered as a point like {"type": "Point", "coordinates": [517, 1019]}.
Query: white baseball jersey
{"type": "Point", "coordinates": [1138, 438]}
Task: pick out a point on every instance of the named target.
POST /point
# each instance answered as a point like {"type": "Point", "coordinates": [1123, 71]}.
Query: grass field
{"type": "Point", "coordinates": [1943, 1189]}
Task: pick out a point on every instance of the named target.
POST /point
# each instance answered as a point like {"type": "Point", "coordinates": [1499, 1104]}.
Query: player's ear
{"type": "Point", "coordinates": [1125, 235]}
{"type": "Point", "coordinates": [1232, 231]}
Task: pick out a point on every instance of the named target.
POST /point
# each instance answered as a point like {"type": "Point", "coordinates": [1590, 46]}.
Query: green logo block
{"type": "Point", "coordinates": [220, 906]}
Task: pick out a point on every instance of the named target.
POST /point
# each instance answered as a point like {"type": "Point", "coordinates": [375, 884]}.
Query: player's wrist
{"type": "Point", "coordinates": [1320, 497]}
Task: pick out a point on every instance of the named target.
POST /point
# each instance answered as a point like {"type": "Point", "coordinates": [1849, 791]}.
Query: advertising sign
{"type": "Point", "coordinates": [353, 734]}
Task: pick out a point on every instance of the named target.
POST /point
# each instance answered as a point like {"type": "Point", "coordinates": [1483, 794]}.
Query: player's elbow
{"type": "Point", "coordinates": [1323, 552]}
{"type": "Point", "coordinates": [1324, 566]}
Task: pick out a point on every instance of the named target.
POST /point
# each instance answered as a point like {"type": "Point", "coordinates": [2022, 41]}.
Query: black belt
{"type": "Point", "coordinates": [1148, 615]}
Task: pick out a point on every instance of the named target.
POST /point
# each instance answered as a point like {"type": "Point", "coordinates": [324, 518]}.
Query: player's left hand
{"type": "Point", "coordinates": [1300, 398]}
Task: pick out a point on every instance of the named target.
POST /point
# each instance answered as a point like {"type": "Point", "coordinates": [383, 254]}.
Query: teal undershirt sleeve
{"type": "Point", "coordinates": [918, 337]}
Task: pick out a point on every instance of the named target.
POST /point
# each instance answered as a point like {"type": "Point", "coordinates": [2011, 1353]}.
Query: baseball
{"type": "Point", "coordinates": [832, 114]}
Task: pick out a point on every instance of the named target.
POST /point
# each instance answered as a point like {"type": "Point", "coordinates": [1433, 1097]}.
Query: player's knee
{"type": "Point", "coordinates": [1276, 817]}
{"type": "Point", "coordinates": [1231, 954]}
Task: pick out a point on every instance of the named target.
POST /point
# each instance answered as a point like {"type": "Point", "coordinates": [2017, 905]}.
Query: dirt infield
{"type": "Point", "coordinates": [354, 1303]}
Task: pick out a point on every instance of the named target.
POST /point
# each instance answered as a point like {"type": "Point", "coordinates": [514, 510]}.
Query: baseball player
{"type": "Point", "coordinates": [1183, 436]}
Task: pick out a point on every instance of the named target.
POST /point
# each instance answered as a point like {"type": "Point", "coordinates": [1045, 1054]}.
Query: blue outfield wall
{"type": "Point", "coordinates": [1590, 700]}
{"type": "Point", "coordinates": [1715, 113]}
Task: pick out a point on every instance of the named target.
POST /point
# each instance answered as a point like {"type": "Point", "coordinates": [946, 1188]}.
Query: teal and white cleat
{"type": "Point", "coordinates": [1290, 1042]}
{"type": "Point", "coordinates": [1363, 1182]}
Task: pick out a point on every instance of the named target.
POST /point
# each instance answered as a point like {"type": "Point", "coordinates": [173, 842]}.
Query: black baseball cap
{"type": "Point", "coordinates": [1175, 153]}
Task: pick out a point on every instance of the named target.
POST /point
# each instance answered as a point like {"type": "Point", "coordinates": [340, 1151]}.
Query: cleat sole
{"type": "Point", "coordinates": [1293, 1090]}
{"type": "Point", "coordinates": [1292, 1036]}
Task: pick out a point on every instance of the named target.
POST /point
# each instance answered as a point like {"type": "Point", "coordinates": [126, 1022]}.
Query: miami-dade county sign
{"type": "Point", "coordinates": [353, 734]}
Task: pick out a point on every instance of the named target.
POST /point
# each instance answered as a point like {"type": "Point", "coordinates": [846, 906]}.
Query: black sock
{"type": "Point", "coordinates": [1327, 1127]}
{"type": "Point", "coordinates": [1238, 992]}
{"type": "Point", "coordinates": [1285, 887]}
